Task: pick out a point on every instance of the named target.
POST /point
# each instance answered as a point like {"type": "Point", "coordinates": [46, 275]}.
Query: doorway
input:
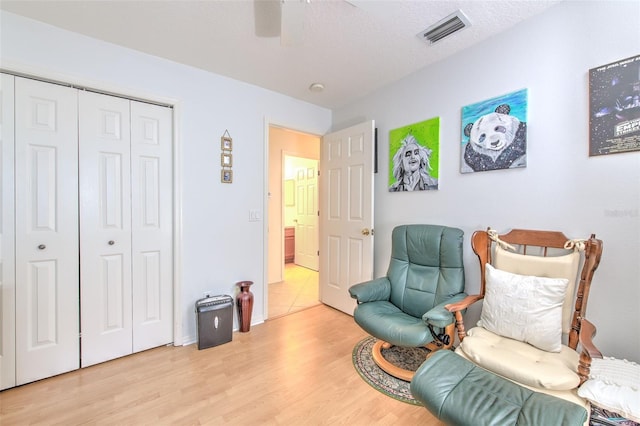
{"type": "Point", "coordinates": [297, 291]}
{"type": "Point", "coordinates": [301, 214]}
{"type": "Point", "coordinates": [291, 287]}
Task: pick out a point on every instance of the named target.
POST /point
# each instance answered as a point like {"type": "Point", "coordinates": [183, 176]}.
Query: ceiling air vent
{"type": "Point", "coordinates": [455, 22]}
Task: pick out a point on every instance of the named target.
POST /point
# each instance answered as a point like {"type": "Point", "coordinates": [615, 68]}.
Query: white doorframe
{"type": "Point", "coordinates": [269, 122]}
{"type": "Point", "coordinates": [39, 73]}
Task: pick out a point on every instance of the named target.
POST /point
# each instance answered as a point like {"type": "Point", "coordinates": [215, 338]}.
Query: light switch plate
{"type": "Point", "coordinates": [255, 215]}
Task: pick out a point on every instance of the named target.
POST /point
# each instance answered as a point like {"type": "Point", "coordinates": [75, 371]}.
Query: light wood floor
{"type": "Point", "coordinates": [293, 370]}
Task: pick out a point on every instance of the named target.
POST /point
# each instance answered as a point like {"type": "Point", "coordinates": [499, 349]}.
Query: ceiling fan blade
{"type": "Point", "coordinates": [267, 17]}
{"type": "Point", "coordinates": [376, 8]}
{"type": "Point", "coordinates": [292, 22]}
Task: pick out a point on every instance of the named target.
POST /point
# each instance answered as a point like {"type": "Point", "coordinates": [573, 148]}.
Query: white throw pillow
{"type": "Point", "coordinates": [525, 308]}
{"type": "Point", "coordinates": [565, 266]}
{"type": "Point", "coordinates": [614, 385]}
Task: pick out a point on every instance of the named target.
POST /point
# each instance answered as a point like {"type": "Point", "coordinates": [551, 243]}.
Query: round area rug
{"type": "Point", "coordinates": [408, 358]}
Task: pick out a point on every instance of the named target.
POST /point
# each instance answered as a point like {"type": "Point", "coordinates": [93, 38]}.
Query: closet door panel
{"type": "Point", "coordinates": [46, 230]}
{"type": "Point", "coordinates": [7, 237]}
{"type": "Point", "coordinates": [105, 227]}
{"type": "Point", "coordinates": [151, 174]}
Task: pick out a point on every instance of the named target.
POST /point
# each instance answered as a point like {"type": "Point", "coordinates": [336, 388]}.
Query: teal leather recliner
{"type": "Point", "coordinates": [406, 307]}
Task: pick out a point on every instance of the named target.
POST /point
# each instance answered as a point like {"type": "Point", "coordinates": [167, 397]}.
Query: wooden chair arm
{"type": "Point", "coordinates": [457, 308]}
{"type": "Point", "coordinates": [589, 350]}
{"type": "Point", "coordinates": [464, 303]}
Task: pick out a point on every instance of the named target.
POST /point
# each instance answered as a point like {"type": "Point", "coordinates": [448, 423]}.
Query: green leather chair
{"type": "Point", "coordinates": [406, 307]}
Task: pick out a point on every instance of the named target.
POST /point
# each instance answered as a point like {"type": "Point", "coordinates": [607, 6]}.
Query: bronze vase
{"type": "Point", "coordinates": [244, 303]}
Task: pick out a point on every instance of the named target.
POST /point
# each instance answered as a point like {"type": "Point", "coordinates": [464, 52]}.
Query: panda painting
{"type": "Point", "coordinates": [496, 140]}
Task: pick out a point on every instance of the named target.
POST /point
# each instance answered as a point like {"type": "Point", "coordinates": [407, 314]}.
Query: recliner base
{"type": "Point", "coordinates": [394, 370]}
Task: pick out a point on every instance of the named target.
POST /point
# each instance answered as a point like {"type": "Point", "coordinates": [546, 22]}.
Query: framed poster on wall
{"type": "Point", "coordinates": [614, 107]}
{"type": "Point", "coordinates": [414, 156]}
{"type": "Point", "coordinates": [494, 133]}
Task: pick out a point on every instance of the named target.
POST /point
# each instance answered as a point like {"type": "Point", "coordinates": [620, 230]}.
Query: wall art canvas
{"type": "Point", "coordinates": [614, 107]}
{"type": "Point", "coordinates": [414, 156]}
{"type": "Point", "coordinates": [494, 133]}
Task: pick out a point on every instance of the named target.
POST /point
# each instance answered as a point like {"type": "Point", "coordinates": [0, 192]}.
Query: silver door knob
{"type": "Point", "coordinates": [42, 247]}
{"type": "Point", "coordinates": [111, 242]}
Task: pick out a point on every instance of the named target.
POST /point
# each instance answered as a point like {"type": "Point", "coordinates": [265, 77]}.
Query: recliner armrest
{"type": "Point", "coordinates": [439, 316]}
{"type": "Point", "coordinates": [378, 289]}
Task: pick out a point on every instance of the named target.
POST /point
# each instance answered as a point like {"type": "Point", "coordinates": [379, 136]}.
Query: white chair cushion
{"type": "Point", "coordinates": [522, 362]}
{"type": "Point", "coordinates": [614, 385]}
{"type": "Point", "coordinates": [525, 308]}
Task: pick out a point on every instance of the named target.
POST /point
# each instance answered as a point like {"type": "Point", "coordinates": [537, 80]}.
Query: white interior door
{"type": "Point", "coordinates": [105, 227]}
{"type": "Point", "coordinates": [346, 213]}
{"type": "Point", "coordinates": [306, 236]}
{"type": "Point", "coordinates": [46, 229]}
{"type": "Point", "coordinates": [151, 199]}
{"type": "Point", "coordinates": [7, 237]}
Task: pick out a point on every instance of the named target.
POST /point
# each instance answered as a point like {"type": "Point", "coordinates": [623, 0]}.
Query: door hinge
{"type": "Point", "coordinates": [318, 252]}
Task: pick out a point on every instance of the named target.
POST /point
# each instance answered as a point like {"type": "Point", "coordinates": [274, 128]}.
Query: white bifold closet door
{"type": "Point", "coordinates": [125, 226]}
{"type": "Point", "coordinates": [151, 225]}
{"type": "Point", "coordinates": [46, 230]}
{"type": "Point", "coordinates": [105, 227]}
{"type": "Point", "coordinates": [7, 237]}
{"type": "Point", "coordinates": [86, 242]}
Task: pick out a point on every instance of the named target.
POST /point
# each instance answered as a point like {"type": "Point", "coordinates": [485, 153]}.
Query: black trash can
{"type": "Point", "coordinates": [215, 320]}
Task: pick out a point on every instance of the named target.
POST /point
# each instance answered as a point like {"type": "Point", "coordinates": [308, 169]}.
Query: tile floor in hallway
{"type": "Point", "coordinates": [298, 291]}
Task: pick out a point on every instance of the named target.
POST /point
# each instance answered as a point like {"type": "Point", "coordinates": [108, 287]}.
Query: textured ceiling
{"type": "Point", "coordinates": [352, 47]}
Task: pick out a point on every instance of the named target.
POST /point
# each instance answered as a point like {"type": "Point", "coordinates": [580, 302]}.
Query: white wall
{"type": "Point", "coordinates": [562, 188]}
{"type": "Point", "coordinates": [220, 245]}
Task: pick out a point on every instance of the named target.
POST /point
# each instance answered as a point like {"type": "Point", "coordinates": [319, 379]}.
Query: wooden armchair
{"type": "Point", "coordinates": [528, 253]}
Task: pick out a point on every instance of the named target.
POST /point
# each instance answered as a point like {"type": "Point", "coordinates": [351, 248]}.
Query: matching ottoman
{"type": "Point", "coordinates": [460, 393]}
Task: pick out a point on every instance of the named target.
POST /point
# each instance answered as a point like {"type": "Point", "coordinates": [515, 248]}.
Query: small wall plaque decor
{"type": "Point", "coordinates": [226, 158]}
{"type": "Point", "coordinates": [226, 142]}
{"type": "Point", "coordinates": [226, 175]}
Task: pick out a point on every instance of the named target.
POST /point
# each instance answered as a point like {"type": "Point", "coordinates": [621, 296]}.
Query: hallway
{"type": "Point", "coordinates": [298, 291]}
